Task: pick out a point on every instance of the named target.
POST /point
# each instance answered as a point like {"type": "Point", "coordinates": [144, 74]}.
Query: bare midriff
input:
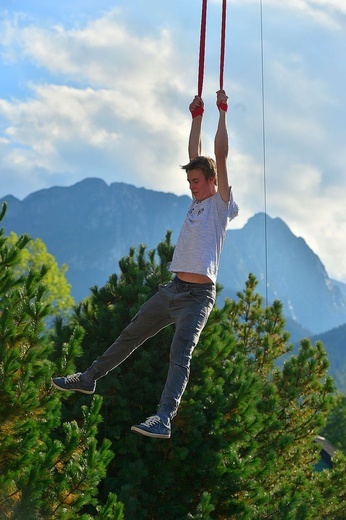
{"type": "Point", "coordinates": [193, 277]}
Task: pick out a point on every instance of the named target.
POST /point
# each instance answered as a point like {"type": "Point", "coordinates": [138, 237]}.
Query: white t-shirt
{"type": "Point", "coordinates": [202, 236]}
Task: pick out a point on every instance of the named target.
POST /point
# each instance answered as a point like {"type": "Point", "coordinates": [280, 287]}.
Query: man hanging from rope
{"type": "Point", "coordinates": [187, 300]}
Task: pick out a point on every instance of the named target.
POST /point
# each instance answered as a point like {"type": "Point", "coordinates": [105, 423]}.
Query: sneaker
{"type": "Point", "coordinates": [153, 427]}
{"type": "Point", "coordinates": [74, 382]}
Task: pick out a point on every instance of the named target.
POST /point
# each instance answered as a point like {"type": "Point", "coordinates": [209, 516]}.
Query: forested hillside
{"type": "Point", "coordinates": [334, 342]}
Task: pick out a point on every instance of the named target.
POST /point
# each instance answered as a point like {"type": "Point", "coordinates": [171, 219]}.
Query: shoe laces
{"type": "Point", "coordinates": [73, 378]}
{"type": "Point", "coordinates": [152, 420]}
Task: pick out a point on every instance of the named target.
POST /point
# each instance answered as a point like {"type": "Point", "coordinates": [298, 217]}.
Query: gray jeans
{"type": "Point", "coordinates": [188, 306]}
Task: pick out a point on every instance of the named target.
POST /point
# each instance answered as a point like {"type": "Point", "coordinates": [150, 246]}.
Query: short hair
{"type": "Point", "coordinates": [206, 164]}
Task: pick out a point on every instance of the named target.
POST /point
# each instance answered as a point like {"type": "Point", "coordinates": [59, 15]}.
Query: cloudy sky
{"type": "Point", "coordinates": [101, 88]}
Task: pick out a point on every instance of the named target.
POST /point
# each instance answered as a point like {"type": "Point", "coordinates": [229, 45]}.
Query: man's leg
{"type": "Point", "coordinates": [190, 308]}
{"type": "Point", "coordinates": [152, 317]}
{"type": "Point", "coordinates": [191, 312]}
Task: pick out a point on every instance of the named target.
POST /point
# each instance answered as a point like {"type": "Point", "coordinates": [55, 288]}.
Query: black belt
{"type": "Point", "coordinates": [182, 286]}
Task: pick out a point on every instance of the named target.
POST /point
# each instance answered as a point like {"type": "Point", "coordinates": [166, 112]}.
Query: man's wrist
{"type": "Point", "coordinates": [223, 106]}
{"type": "Point", "coordinates": [197, 111]}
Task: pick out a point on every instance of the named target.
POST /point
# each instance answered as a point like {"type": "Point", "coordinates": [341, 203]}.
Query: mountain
{"type": "Point", "coordinates": [334, 341]}
{"type": "Point", "coordinates": [89, 226]}
{"type": "Point", "coordinates": [287, 269]}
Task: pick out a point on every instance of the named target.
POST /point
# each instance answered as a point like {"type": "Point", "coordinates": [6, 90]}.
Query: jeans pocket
{"type": "Point", "coordinates": [203, 297]}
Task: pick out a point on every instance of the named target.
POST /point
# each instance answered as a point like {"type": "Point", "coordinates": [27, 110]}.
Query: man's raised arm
{"type": "Point", "coordinates": [221, 147]}
{"type": "Point", "coordinates": [195, 142]}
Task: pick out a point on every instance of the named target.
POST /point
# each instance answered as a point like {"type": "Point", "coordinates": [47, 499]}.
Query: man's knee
{"type": "Point", "coordinates": [181, 351]}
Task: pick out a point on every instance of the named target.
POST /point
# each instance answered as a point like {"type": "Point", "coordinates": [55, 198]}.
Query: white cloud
{"type": "Point", "coordinates": [103, 53]}
{"type": "Point", "coordinates": [114, 124]}
{"type": "Point", "coordinates": [315, 212]}
{"type": "Point", "coordinates": [90, 131]}
{"type": "Point", "coordinates": [324, 12]}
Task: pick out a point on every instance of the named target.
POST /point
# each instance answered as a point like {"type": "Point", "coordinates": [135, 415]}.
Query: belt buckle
{"type": "Point", "coordinates": [182, 287]}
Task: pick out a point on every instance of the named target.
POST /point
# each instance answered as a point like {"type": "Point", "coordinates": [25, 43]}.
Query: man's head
{"type": "Point", "coordinates": [206, 164]}
{"type": "Point", "coordinates": [202, 177]}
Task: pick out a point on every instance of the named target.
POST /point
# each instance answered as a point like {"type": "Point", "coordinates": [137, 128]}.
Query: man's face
{"type": "Point", "coordinates": [200, 187]}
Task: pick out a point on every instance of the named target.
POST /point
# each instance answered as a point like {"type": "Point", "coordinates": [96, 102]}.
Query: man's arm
{"type": "Point", "coordinates": [221, 147]}
{"type": "Point", "coordinates": [195, 142]}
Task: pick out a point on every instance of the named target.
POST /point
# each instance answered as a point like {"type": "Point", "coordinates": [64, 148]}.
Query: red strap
{"type": "Point", "coordinates": [202, 47]}
{"type": "Point", "coordinates": [223, 40]}
{"type": "Point", "coordinates": [223, 106]}
{"type": "Point", "coordinates": [197, 112]}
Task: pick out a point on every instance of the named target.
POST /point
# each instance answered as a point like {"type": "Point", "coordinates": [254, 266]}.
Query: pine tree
{"type": "Point", "coordinates": [293, 402]}
{"type": "Point", "coordinates": [242, 445]}
{"type": "Point", "coordinates": [48, 470]}
{"type": "Point", "coordinates": [335, 429]}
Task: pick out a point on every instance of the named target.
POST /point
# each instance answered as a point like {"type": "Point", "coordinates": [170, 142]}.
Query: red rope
{"type": "Point", "coordinates": [202, 47]}
{"type": "Point", "coordinates": [223, 40]}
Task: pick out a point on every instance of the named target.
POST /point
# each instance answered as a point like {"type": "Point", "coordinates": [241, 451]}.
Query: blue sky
{"type": "Point", "coordinates": [102, 88]}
